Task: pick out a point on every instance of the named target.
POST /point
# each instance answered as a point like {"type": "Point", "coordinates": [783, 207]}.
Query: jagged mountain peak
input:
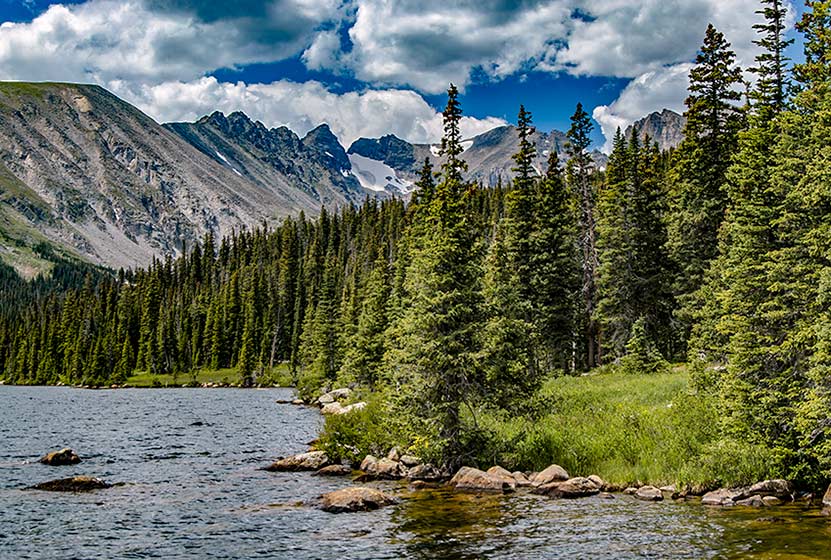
{"type": "Point", "coordinates": [666, 127]}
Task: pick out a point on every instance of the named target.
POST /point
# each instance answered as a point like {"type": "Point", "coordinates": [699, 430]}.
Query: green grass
{"type": "Point", "coordinates": [229, 376]}
{"type": "Point", "coordinates": [627, 429]}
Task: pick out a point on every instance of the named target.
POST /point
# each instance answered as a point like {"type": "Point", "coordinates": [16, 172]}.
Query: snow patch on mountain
{"type": "Point", "coordinates": [377, 176]}
{"type": "Point", "coordinates": [435, 149]}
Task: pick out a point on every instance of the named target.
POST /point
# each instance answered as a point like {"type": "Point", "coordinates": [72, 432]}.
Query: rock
{"type": "Point", "coordinates": [383, 468]}
{"type": "Point", "coordinates": [333, 470]}
{"type": "Point", "coordinates": [752, 501]}
{"type": "Point", "coordinates": [73, 484]}
{"type": "Point", "coordinates": [599, 482]}
{"type": "Point", "coordinates": [468, 478]}
{"type": "Point", "coordinates": [630, 491]}
{"type": "Point", "coordinates": [669, 489]}
{"type": "Point", "coordinates": [606, 496]}
{"type": "Point", "coordinates": [502, 473]}
{"type": "Point", "coordinates": [410, 461]}
{"type": "Point", "coordinates": [311, 461]}
{"type": "Point", "coordinates": [577, 487]}
{"type": "Point", "coordinates": [521, 480]}
{"type": "Point", "coordinates": [781, 489]}
{"type": "Point", "coordinates": [298, 402]}
{"type": "Point", "coordinates": [368, 463]}
{"type": "Point", "coordinates": [554, 473]}
{"type": "Point", "coordinates": [422, 484]}
{"type": "Point", "coordinates": [424, 473]}
{"type": "Point", "coordinates": [826, 500]}
{"type": "Point", "coordinates": [334, 396]}
{"type": "Point", "coordinates": [332, 408]}
{"type": "Point", "coordinates": [722, 497]}
{"type": "Point", "coordinates": [394, 455]}
{"type": "Point", "coordinates": [649, 494]}
{"type": "Point", "coordinates": [355, 499]}
{"type": "Point", "coordinates": [771, 501]}
{"type": "Point", "coordinates": [58, 458]}
{"type": "Point", "coordinates": [355, 406]}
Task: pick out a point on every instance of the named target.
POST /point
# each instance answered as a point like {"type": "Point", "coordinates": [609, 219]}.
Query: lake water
{"type": "Point", "coordinates": [190, 458]}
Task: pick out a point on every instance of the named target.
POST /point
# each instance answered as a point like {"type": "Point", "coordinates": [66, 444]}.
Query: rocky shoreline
{"type": "Point", "coordinates": [553, 482]}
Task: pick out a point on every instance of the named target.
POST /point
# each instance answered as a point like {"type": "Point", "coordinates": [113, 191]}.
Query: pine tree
{"type": "Point", "coordinates": [436, 353]}
{"type": "Point", "coordinates": [580, 178]}
{"type": "Point", "coordinates": [697, 196]}
{"type": "Point", "coordinates": [770, 94]}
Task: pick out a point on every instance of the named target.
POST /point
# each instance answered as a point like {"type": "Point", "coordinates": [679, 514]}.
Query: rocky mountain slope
{"type": "Point", "coordinates": [665, 127]}
{"type": "Point", "coordinates": [96, 176]}
{"type": "Point", "coordinates": [90, 176]}
{"type": "Point", "coordinates": [488, 155]}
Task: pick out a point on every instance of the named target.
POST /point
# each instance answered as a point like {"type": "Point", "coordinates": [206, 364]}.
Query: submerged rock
{"type": "Point", "coordinates": [64, 456]}
{"type": "Point", "coordinates": [553, 473]}
{"type": "Point", "coordinates": [311, 461]}
{"type": "Point", "coordinates": [355, 499]}
{"type": "Point", "coordinates": [73, 484]}
{"type": "Point", "coordinates": [333, 470]}
{"type": "Point", "coordinates": [578, 487]}
{"type": "Point", "coordinates": [468, 478]}
{"type": "Point", "coordinates": [649, 494]}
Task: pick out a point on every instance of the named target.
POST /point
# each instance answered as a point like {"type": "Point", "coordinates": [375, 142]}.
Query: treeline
{"type": "Point", "coordinates": [719, 251]}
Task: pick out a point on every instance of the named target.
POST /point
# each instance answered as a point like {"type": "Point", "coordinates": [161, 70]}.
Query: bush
{"type": "Point", "coordinates": [360, 433]}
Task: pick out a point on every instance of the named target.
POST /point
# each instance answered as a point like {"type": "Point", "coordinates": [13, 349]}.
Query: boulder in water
{"type": "Point", "coordinates": [425, 473]}
{"type": "Point", "coordinates": [73, 484]}
{"type": "Point", "coordinates": [355, 499]}
{"type": "Point", "coordinates": [311, 461]}
{"type": "Point", "coordinates": [649, 494]}
{"type": "Point", "coordinates": [781, 489]}
{"type": "Point", "coordinates": [383, 468]}
{"type": "Point", "coordinates": [553, 473]}
{"type": "Point", "coordinates": [333, 470]}
{"type": "Point", "coordinates": [721, 497]}
{"type": "Point", "coordinates": [64, 456]}
{"type": "Point", "coordinates": [468, 478]}
{"type": "Point", "coordinates": [577, 487]}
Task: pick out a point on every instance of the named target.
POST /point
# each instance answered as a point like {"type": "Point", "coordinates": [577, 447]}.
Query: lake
{"type": "Point", "coordinates": [190, 459]}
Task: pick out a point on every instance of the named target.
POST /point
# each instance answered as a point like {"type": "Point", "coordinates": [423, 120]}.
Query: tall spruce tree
{"type": "Point", "coordinates": [697, 195]}
{"type": "Point", "coordinates": [580, 168]}
{"type": "Point", "coordinates": [436, 357]}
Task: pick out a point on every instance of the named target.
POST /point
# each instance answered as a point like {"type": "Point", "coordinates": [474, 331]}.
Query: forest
{"type": "Point", "coordinates": [461, 315]}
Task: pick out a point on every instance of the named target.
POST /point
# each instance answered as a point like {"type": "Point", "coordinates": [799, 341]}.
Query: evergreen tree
{"type": "Point", "coordinates": [580, 167]}
{"type": "Point", "coordinates": [770, 94]}
{"type": "Point", "coordinates": [697, 197]}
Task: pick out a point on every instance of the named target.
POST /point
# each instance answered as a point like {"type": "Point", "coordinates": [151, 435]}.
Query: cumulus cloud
{"type": "Point", "coordinates": [106, 40]}
{"type": "Point", "coordinates": [301, 107]}
{"type": "Point", "coordinates": [651, 91]}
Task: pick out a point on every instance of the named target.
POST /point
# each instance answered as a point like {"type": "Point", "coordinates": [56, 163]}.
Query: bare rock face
{"type": "Point", "coordinates": [577, 487]}
{"type": "Point", "coordinates": [311, 461]}
{"type": "Point", "coordinates": [468, 478]}
{"type": "Point", "coordinates": [355, 499]}
{"type": "Point", "coordinates": [73, 484]}
{"type": "Point", "coordinates": [63, 457]}
{"type": "Point", "coordinates": [553, 473]}
{"type": "Point", "coordinates": [333, 470]}
{"type": "Point", "coordinates": [649, 494]}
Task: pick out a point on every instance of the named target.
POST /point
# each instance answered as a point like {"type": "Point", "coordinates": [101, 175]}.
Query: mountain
{"type": "Point", "coordinates": [103, 181]}
{"type": "Point", "coordinates": [315, 166]}
{"type": "Point", "coordinates": [489, 155]}
{"type": "Point", "coordinates": [665, 127]}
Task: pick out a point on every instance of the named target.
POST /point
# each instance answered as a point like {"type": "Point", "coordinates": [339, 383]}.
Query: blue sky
{"type": "Point", "coordinates": [370, 67]}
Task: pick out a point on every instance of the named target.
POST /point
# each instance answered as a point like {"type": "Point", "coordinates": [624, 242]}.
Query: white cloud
{"type": "Point", "coordinates": [301, 107]}
{"type": "Point", "coordinates": [664, 88]}
{"type": "Point", "coordinates": [106, 40]}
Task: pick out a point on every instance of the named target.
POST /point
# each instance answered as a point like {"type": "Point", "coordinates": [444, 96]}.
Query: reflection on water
{"type": "Point", "coordinates": [190, 459]}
